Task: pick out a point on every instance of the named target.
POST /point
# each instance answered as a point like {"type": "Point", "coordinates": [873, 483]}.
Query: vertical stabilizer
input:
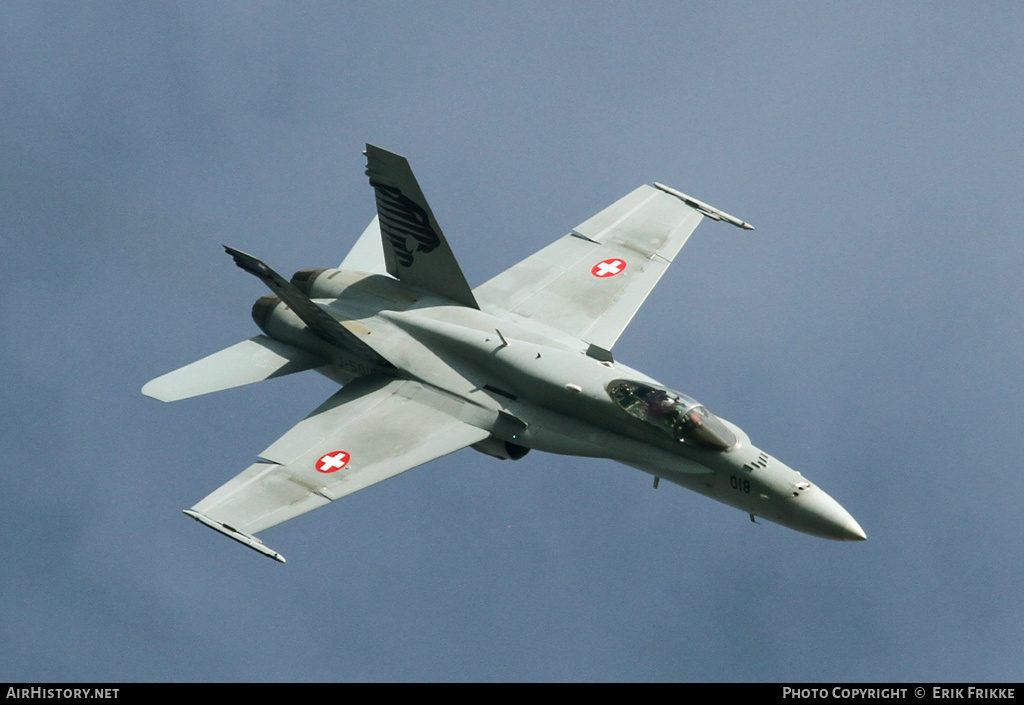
{"type": "Point", "coordinates": [366, 255]}
{"type": "Point", "coordinates": [415, 250]}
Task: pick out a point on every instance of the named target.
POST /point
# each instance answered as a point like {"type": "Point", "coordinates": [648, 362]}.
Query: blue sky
{"type": "Point", "coordinates": [868, 334]}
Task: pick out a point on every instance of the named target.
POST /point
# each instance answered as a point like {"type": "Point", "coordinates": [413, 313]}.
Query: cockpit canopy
{"type": "Point", "coordinates": [676, 414]}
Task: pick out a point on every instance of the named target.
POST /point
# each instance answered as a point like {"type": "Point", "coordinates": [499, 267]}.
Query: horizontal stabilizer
{"type": "Point", "coordinates": [252, 360]}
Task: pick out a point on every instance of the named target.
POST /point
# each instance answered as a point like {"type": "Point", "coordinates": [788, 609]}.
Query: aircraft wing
{"type": "Point", "coordinates": [591, 282]}
{"type": "Point", "coordinates": [374, 428]}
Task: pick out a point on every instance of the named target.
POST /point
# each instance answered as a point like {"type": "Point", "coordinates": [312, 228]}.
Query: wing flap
{"type": "Point", "coordinates": [374, 428]}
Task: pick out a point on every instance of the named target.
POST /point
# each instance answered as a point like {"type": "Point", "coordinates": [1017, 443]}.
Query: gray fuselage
{"type": "Point", "coordinates": [555, 394]}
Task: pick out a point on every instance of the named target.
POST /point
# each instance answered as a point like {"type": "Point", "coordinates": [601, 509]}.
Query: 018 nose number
{"type": "Point", "coordinates": [739, 484]}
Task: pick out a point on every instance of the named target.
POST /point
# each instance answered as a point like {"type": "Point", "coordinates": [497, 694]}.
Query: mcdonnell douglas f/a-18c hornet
{"type": "Point", "coordinates": [523, 362]}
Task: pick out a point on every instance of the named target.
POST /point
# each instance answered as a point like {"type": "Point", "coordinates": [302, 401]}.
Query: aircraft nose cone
{"type": "Point", "coordinates": [854, 532]}
{"type": "Point", "coordinates": [851, 530]}
{"type": "Point", "coordinates": [821, 515]}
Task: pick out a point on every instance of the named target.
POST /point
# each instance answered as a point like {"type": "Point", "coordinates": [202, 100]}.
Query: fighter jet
{"type": "Point", "coordinates": [428, 366]}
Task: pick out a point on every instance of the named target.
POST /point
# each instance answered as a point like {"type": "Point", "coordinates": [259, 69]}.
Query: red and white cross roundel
{"type": "Point", "coordinates": [332, 462]}
{"type": "Point", "coordinates": [608, 268]}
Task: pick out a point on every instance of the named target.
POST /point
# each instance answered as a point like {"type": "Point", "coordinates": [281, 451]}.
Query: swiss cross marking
{"type": "Point", "coordinates": [332, 462]}
{"type": "Point", "coordinates": [608, 268]}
